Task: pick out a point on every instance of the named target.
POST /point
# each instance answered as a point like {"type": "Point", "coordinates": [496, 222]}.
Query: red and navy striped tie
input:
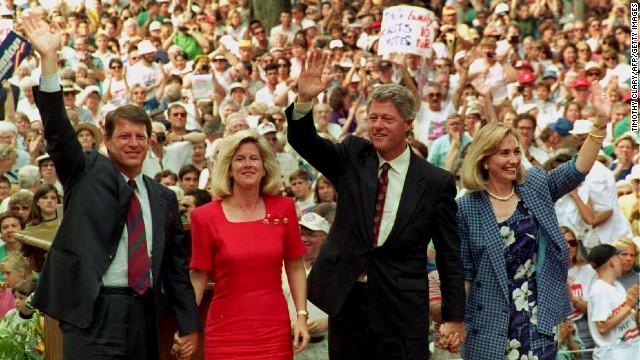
{"type": "Point", "coordinates": [139, 276]}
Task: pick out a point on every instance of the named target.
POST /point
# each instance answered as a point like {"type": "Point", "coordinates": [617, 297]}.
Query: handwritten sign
{"type": "Point", "coordinates": [202, 86]}
{"type": "Point", "coordinates": [407, 30]}
{"type": "Point", "coordinates": [13, 50]}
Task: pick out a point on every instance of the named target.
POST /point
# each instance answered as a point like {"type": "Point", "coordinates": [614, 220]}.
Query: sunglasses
{"type": "Point", "coordinates": [283, 66]}
{"type": "Point", "coordinates": [434, 95]}
{"type": "Point", "coordinates": [593, 74]}
{"type": "Point", "coordinates": [609, 58]}
{"type": "Point", "coordinates": [258, 32]}
{"type": "Point", "coordinates": [572, 243]}
{"type": "Point", "coordinates": [116, 67]}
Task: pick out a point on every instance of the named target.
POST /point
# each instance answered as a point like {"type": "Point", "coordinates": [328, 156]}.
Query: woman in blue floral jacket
{"type": "Point", "coordinates": [515, 258]}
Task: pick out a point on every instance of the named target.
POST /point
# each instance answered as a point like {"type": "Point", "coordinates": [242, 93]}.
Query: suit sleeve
{"type": "Point", "coordinates": [176, 281]}
{"type": "Point", "coordinates": [448, 261]}
{"type": "Point", "coordinates": [62, 143]}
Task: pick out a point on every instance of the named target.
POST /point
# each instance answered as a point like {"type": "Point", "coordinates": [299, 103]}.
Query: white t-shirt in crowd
{"type": "Point", "coordinates": [622, 342]}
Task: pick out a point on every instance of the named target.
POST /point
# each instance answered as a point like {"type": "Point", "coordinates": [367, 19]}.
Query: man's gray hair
{"type": "Point", "coordinates": [6, 126]}
{"type": "Point", "coordinates": [6, 150]}
{"type": "Point", "coordinates": [401, 97]}
{"type": "Point", "coordinates": [431, 84]}
{"type": "Point", "coordinates": [173, 93]}
{"type": "Point", "coordinates": [28, 176]}
{"type": "Point", "coordinates": [235, 116]}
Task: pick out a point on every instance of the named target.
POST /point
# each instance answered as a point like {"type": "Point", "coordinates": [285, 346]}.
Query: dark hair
{"type": "Point", "coordinates": [300, 174]}
{"type": "Point", "coordinates": [200, 196]}
{"type": "Point", "coordinates": [115, 61]}
{"type": "Point", "coordinates": [271, 66]}
{"type": "Point", "coordinates": [336, 100]}
{"type": "Point", "coordinates": [4, 179]}
{"type": "Point", "coordinates": [186, 169]}
{"type": "Point", "coordinates": [323, 179]}
{"type": "Point", "coordinates": [14, 215]}
{"type": "Point", "coordinates": [26, 286]}
{"type": "Point", "coordinates": [163, 174]}
{"type": "Point", "coordinates": [525, 116]}
{"type": "Point", "coordinates": [247, 66]}
{"type": "Point", "coordinates": [35, 217]}
{"type": "Point", "coordinates": [131, 113]}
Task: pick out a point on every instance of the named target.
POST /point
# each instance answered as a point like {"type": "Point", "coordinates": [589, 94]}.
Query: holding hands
{"type": "Point", "coordinates": [184, 346]}
{"type": "Point", "coordinates": [452, 335]}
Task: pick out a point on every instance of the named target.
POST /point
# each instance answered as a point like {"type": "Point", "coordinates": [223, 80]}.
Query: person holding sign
{"type": "Point", "coordinates": [370, 276]}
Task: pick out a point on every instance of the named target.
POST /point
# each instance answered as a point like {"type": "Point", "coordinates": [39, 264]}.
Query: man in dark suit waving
{"type": "Point", "coordinates": [118, 249]}
{"type": "Point", "coordinates": [370, 275]}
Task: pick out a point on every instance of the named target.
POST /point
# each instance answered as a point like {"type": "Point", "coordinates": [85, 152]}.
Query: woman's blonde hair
{"type": "Point", "coordinates": [580, 260]}
{"type": "Point", "coordinates": [16, 262]}
{"type": "Point", "coordinates": [486, 143]}
{"type": "Point", "coordinates": [221, 180]}
{"type": "Point", "coordinates": [622, 243]}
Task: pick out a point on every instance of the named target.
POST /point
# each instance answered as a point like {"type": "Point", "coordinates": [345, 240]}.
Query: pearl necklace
{"type": "Point", "coordinates": [503, 198]}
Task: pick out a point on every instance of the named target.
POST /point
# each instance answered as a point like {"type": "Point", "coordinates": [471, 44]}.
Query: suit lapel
{"type": "Point", "coordinates": [157, 216]}
{"type": "Point", "coordinates": [493, 242]}
{"type": "Point", "coordinates": [368, 192]}
{"type": "Point", "coordinates": [411, 196]}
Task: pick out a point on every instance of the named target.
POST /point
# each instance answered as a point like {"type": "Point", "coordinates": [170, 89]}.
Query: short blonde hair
{"type": "Point", "coordinates": [622, 243]}
{"type": "Point", "coordinates": [221, 181]}
{"type": "Point", "coordinates": [486, 143]}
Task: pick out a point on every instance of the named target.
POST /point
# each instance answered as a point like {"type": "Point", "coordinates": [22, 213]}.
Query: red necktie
{"type": "Point", "coordinates": [383, 182]}
{"type": "Point", "coordinates": [139, 276]}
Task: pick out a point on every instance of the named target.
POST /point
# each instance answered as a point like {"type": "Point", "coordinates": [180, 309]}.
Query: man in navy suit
{"type": "Point", "coordinates": [105, 298]}
{"type": "Point", "coordinates": [371, 273]}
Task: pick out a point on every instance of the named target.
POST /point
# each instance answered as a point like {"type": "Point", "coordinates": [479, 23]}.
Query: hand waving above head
{"type": "Point", "coordinates": [44, 41]}
{"type": "Point", "coordinates": [311, 82]}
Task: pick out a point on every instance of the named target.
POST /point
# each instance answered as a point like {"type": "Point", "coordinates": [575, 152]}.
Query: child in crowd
{"type": "Point", "coordinates": [612, 321]}
{"type": "Point", "coordinates": [22, 313]}
{"type": "Point", "coordinates": [15, 268]}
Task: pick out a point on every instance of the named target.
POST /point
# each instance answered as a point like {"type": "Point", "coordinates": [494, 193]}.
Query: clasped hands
{"type": "Point", "coordinates": [184, 346]}
{"type": "Point", "coordinates": [451, 336]}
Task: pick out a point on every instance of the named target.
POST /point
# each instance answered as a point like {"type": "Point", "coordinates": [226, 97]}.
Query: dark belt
{"type": "Point", "coordinates": [119, 290]}
{"type": "Point", "coordinates": [315, 340]}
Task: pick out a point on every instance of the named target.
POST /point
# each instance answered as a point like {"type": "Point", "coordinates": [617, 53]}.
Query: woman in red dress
{"type": "Point", "coordinates": [240, 241]}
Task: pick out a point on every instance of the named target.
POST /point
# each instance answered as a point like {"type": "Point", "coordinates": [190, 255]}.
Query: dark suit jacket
{"type": "Point", "coordinates": [96, 200]}
{"type": "Point", "coordinates": [397, 270]}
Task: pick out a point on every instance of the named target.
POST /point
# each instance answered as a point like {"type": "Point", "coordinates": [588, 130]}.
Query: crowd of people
{"type": "Point", "coordinates": [276, 143]}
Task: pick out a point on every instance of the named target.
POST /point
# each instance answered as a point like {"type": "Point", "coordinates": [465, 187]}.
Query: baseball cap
{"type": "Point", "coordinates": [526, 78]}
{"type": "Point", "coordinates": [579, 82]}
{"type": "Point", "coordinates": [562, 126]}
{"type": "Point", "coordinates": [549, 74]}
{"type": "Point", "coordinates": [266, 127]}
{"type": "Point", "coordinates": [600, 254]}
{"type": "Point", "coordinates": [384, 64]}
{"type": "Point", "coordinates": [245, 43]}
{"type": "Point", "coordinates": [336, 44]}
{"type": "Point", "coordinates": [154, 26]}
{"type": "Point", "coordinates": [523, 64]}
{"type": "Point", "coordinates": [69, 86]}
{"type": "Point", "coordinates": [448, 10]}
{"type": "Point", "coordinates": [236, 85]}
{"type": "Point", "coordinates": [581, 127]}
{"type": "Point", "coordinates": [501, 8]}
{"type": "Point", "coordinates": [145, 47]}
{"type": "Point", "coordinates": [315, 222]}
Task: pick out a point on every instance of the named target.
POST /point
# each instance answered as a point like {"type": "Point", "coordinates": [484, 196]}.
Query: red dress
{"type": "Point", "coordinates": [248, 316]}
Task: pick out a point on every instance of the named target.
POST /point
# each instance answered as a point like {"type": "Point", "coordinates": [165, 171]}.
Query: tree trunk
{"type": "Point", "coordinates": [268, 11]}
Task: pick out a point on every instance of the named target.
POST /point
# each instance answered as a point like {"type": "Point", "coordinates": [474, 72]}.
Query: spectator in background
{"type": "Point", "coordinates": [579, 280]}
{"type": "Point", "coordinates": [300, 181]}
{"type": "Point", "coordinates": [628, 260]}
{"type": "Point", "coordinates": [324, 191]}
{"type": "Point", "coordinates": [612, 320]}
{"type": "Point", "coordinates": [8, 161]}
{"type": "Point", "coordinates": [20, 203]}
{"type": "Point", "coordinates": [166, 178]}
{"type": "Point", "coordinates": [313, 230]}
{"type": "Point", "coordinates": [287, 163]}
{"type": "Point", "coordinates": [188, 177]}
{"type": "Point", "coordinates": [89, 136]}
{"type": "Point", "coordinates": [445, 152]}
{"type": "Point", "coordinates": [44, 204]}
{"type": "Point", "coordinates": [194, 198]}
{"type": "Point", "coordinates": [625, 148]}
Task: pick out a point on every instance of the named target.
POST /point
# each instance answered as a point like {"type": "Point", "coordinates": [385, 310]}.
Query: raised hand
{"type": "Point", "coordinates": [600, 100]}
{"type": "Point", "coordinates": [310, 82]}
{"type": "Point", "coordinates": [44, 41]}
